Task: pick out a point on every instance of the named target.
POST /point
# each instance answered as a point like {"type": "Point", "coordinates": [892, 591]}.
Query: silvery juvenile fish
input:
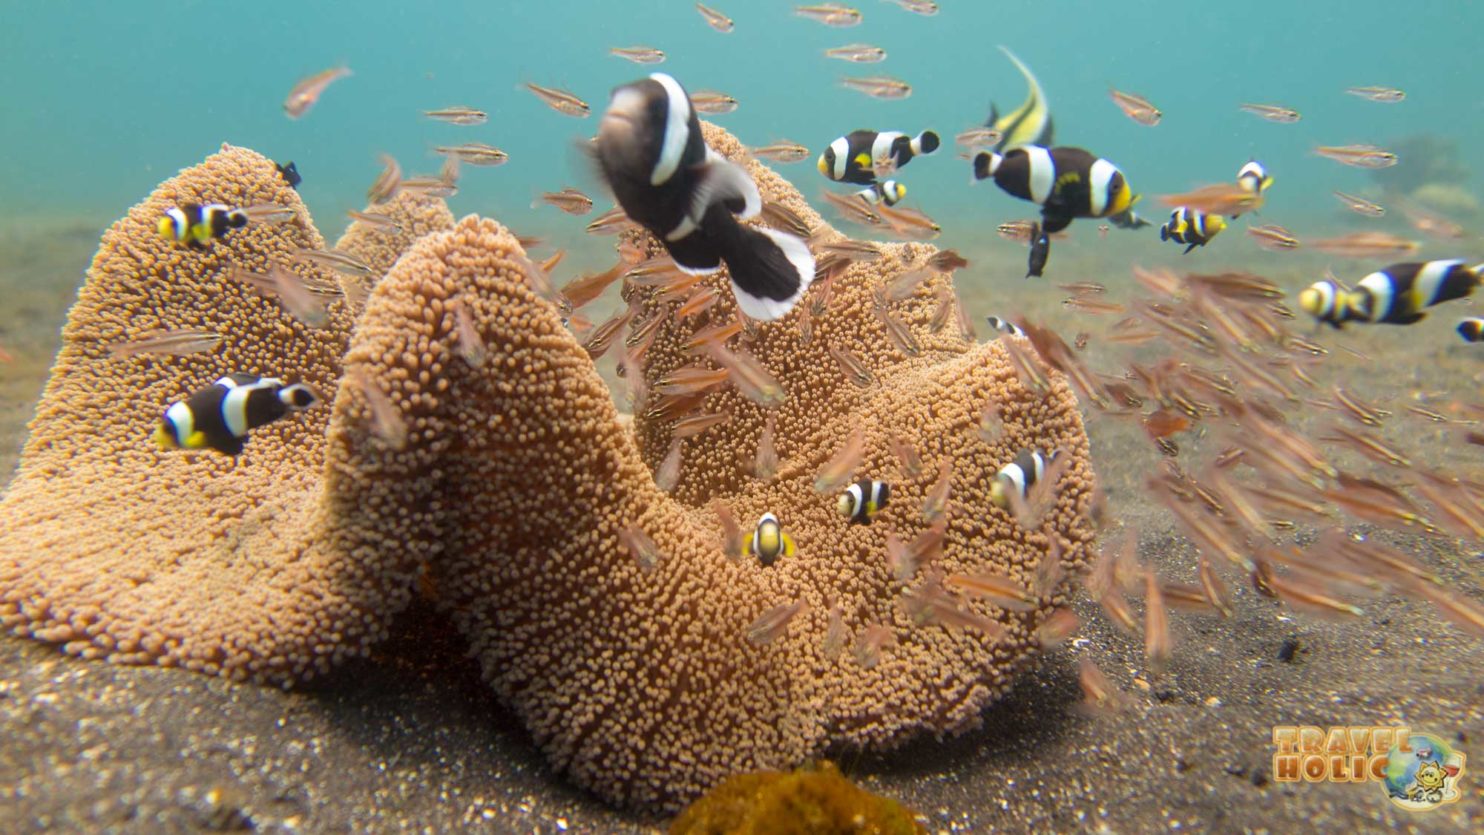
{"type": "Point", "coordinates": [858, 53]}
{"type": "Point", "coordinates": [1386, 95]}
{"type": "Point", "coordinates": [569, 200]}
{"type": "Point", "coordinates": [639, 54]}
{"type": "Point", "coordinates": [458, 115]}
{"type": "Point", "coordinates": [830, 14]}
{"type": "Point", "coordinates": [782, 151]}
{"type": "Point", "coordinates": [560, 100]}
{"type": "Point", "coordinates": [975, 138]}
{"type": "Point", "coordinates": [375, 220]}
{"type": "Point", "coordinates": [711, 101]}
{"type": "Point", "coordinates": [1358, 156]}
{"type": "Point", "coordinates": [1273, 112]}
{"type": "Point", "coordinates": [174, 342]}
{"type": "Point", "coordinates": [335, 260]}
{"type": "Point", "coordinates": [1273, 237]}
{"type": "Point", "coordinates": [387, 183]}
{"type": "Point", "coordinates": [1136, 107]}
{"type": "Point", "coordinates": [269, 213]}
{"type": "Point", "coordinates": [1360, 205]}
{"type": "Point", "coordinates": [715, 19]}
{"type": "Point", "coordinates": [926, 8]}
{"type": "Point", "coordinates": [289, 290]}
{"type": "Point", "coordinates": [878, 86]}
{"type": "Point", "coordinates": [308, 90]}
{"type": "Point", "coordinates": [474, 153]}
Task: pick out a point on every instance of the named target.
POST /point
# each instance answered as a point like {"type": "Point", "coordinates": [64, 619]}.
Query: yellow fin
{"type": "Point", "coordinates": [788, 544]}
{"type": "Point", "coordinates": [196, 440]}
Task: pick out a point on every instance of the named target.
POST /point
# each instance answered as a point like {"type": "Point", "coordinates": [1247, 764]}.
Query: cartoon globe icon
{"type": "Point", "coordinates": [1422, 775]}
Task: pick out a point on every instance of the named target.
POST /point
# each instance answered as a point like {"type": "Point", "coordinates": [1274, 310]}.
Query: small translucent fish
{"type": "Point", "coordinates": [1103, 231]}
{"type": "Point", "coordinates": [859, 53]}
{"type": "Point", "coordinates": [1018, 231]}
{"type": "Point", "coordinates": [375, 220]}
{"type": "Point", "coordinates": [699, 301]}
{"type": "Point", "coordinates": [335, 260]}
{"type": "Point", "coordinates": [840, 469]}
{"type": "Point", "coordinates": [387, 183]}
{"type": "Point", "coordinates": [935, 500]}
{"type": "Point", "coordinates": [715, 19]}
{"type": "Point", "coordinates": [906, 455]}
{"type": "Point", "coordinates": [1273, 112]}
{"type": "Point", "coordinates": [598, 342]}
{"type": "Point", "coordinates": [1385, 95]}
{"type": "Point", "coordinates": [1216, 199]}
{"type": "Point", "coordinates": [878, 86]}
{"type": "Point", "coordinates": [1213, 588]}
{"type": "Point", "coordinates": [899, 559]}
{"type": "Point", "coordinates": [1156, 626]}
{"type": "Point", "coordinates": [1027, 368]}
{"type": "Point", "coordinates": [305, 93]}
{"type": "Point", "coordinates": [569, 200]}
{"type": "Point", "coordinates": [926, 8]}
{"type": "Point", "coordinates": [977, 138]}
{"type": "Point", "coordinates": [1358, 156]}
{"type": "Point", "coordinates": [1273, 238]}
{"type": "Point", "coordinates": [714, 335]}
{"type": "Point", "coordinates": [899, 334]}
{"type": "Point", "coordinates": [387, 423]}
{"type": "Point", "coordinates": [1370, 244]}
{"type": "Point", "coordinates": [712, 101]}
{"type": "Point", "coordinates": [750, 377]}
{"type": "Point", "coordinates": [996, 588]}
{"type": "Point", "coordinates": [458, 115]}
{"type": "Point", "coordinates": [429, 186]}
{"type": "Point", "coordinates": [474, 153]}
{"type": "Point", "coordinates": [471, 346]}
{"type": "Point", "coordinates": [1467, 614]}
{"type": "Point", "coordinates": [611, 222]}
{"type": "Point", "coordinates": [731, 532]}
{"type": "Point", "coordinates": [269, 213]}
{"type": "Point", "coordinates": [783, 150]}
{"type": "Point", "coordinates": [853, 208]}
{"type": "Point", "coordinates": [1359, 410]}
{"type": "Point", "coordinates": [1368, 445]}
{"type": "Point", "coordinates": [1136, 107]}
{"type": "Point", "coordinates": [870, 643]}
{"type": "Point", "coordinates": [1083, 288]}
{"type": "Point", "coordinates": [1431, 224]}
{"type": "Point", "coordinates": [1360, 205]}
{"type": "Point", "coordinates": [289, 290]}
{"type": "Point", "coordinates": [1373, 501]}
{"type": "Point", "coordinates": [850, 365]}
{"type": "Point", "coordinates": [448, 173]}
{"type": "Point", "coordinates": [765, 464]}
{"type": "Point", "coordinates": [991, 423]}
{"type": "Point", "coordinates": [560, 100]}
{"type": "Point", "coordinates": [173, 342]}
{"type": "Point", "coordinates": [772, 624]}
{"type": "Point", "coordinates": [1099, 697]}
{"type": "Point", "coordinates": [1089, 304]}
{"type": "Point", "coordinates": [912, 224]}
{"type": "Point", "coordinates": [779, 216]}
{"type": "Point", "coordinates": [930, 603]}
{"type": "Point", "coordinates": [645, 552]}
{"type": "Point", "coordinates": [639, 54]}
{"type": "Point", "coordinates": [834, 634]}
{"type": "Point", "coordinates": [830, 14]}
{"type": "Point", "coordinates": [852, 250]}
{"type": "Point", "coordinates": [947, 260]}
{"type": "Point", "coordinates": [693, 425]}
{"type": "Point", "coordinates": [1057, 628]}
{"type": "Point", "coordinates": [690, 379]}
{"type": "Point", "coordinates": [668, 474]}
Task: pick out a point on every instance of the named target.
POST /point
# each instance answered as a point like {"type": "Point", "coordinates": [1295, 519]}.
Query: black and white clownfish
{"type": "Point", "coordinates": [1066, 182]}
{"type": "Point", "coordinates": [1004, 326]}
{"type": "Point", "coordinates": [768, 541]}
{"type": "Point", "coordinates": [1471, 329]}
{"type": "Point", "coordinates": [651, 153]}
{"type": "Point", "coordinates": [1327, 302]}
{"type": "Point", "coordinates": [854, 157]}
{"type": "Point", "coordinates": [862, 500]}
{"type": "Point", "coordinates": [1254, 178]}
{"type": "Point", "coordinates": [890, 192]}
{"type": "Point", "coordinates": [194, 225]}
{"type": "Point", "coordinates": [221, 415]}
{"type": "Point", "coordinates": [1018, 477]}
{"type": "Point", "coordinates": [1398, 294]}
{"type": "Point", "coordinates": [1188, 226]}
{"type": "Point", "coordinates": [1028, 124]}
{"type": "Point", "coordinates": [290, 173]}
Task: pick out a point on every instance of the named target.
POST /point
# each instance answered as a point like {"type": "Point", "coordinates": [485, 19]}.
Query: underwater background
{"type": "Point", "coordinates": [105, 100]}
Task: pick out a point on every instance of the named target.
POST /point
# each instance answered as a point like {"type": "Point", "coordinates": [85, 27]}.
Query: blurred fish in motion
{"type": "Point", "coordinates": [376, 220]}
{"type": "Point", "coordinates": [974, 139]}
{"type": "Point", "coordinates": [560, 100]}
{"type": "Point", "coordinates": [1385, 95]}
{"type": "Point", "coordinates": [1273, 238]}
{"type": "Point", "coordinates": [783, 150]}
{"type": "Point", "coordinates": [712, 101]}
{"type": "Point", "coordinates": [639, 54]}
{"type": "Point", "coordinates": [1136, 107]}
{"type": "Point", "coordinates": [1358, 156]}
{"type": "Point", "coordinates": [1273, 112]}
{"type": "Point", "coordinates": [1471, 329]}
{"type": "Point", "coordinates": [174, 342]}
{"type": "Point", "coordinates": [1365, 245]}
{"type": "Point", "coordinates": [569, 200]}
{"type": "Point", "coordinates": [830, 14]}
{"type": "Point", "coordinates": [1216, 199]}
{"type": "Point", "coordinates": [878, 86]}
{"type": "Point", "coordinates": [387, 183]}
{"type": "Point", "coordinates": [1431, 224]}
{"type": "Point", "coordinates": [926, 8]}
{"type": "Point", "coordinates": [458, 115]}
{"type": "Point", "coordinates": [1360, 205]}
{"type": "Point", "coordinates": [308, 90]}
{"type": "Point", "coordinates": [858, 53]}
{"type": "Point", "coordinates": [715, 19]}
{"type": "Point", "coordinates": [1187, 226]}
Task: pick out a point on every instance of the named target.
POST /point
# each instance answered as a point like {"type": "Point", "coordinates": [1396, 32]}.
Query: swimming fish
{"type": "Point", "coordinates": [175, 342]}
{"type": "Point", "coordinates": [220, 416]}
{"type": "Point", "coordinates": [1187, 226]}
{"type": "Point", "coordinates": [1273, 112]}
{"type": "Point", "coordinates": [1216, 199]}
{"type": "Point", "coordinates": [474, 153]}
{"type": "Point", "coordinates": [1066, 182]}
{"type": "Point", "coordinates": [639, 54]}
{"type": "Point", "coordinates": [569, 200]}
{"type": "Point", "coordinates": [560, 100]}
{"type": "Point", "coordinates": [1360, 205]}
{"type": "Point", "coordinates": [926, 8]}
{"type": "Point", "coordinates": [1368, 244]}
{"type": "Point", "coordinates": [1004, 326]}
{"type": "Point", "coordinates": [890, 192]}
{"type": "Point", "coordinates": [194, 225]}
{"type": "Point", "coordinates": [856, 156]}
{"type": "Point", "coordinates": [1018, 476]}
{"type": "Point", "coordinates": [1254, 178]}
{"type": "Point", "coordinates": [1358, 156]}
{"type": "Point", "coordinates": [1327, 302]}
{"type": "Point", "coordinates": [878, 86]}
{"type": "Point", "coordinates": [1135, 107]}
{"type": "Point", "coordinates": [1273, 238]}
{"type": "Point", "coordinates": [715, 19]}
{"type": "Point", "coordinates": [1385, 95]}
{"type": "Point", "coordinates": [308, 90]}
{"type": "Point", "coordinates": [862, 500]}
{"type": "Point", "coordinates": [458, 115]}
{"type": "Point", "coordinates": [975, 138]}
{"type": "Point", "coordinates": [290, 173]}
{"type": "Point", "coordinates": [768, 541]}
{"type": "Point", "coordinates": [830, 14]}
{"type": "Point", "coordinates": [1028, 124]}
{"type": "Point", "coordinates": [857, 53]}
{"type": "Point", "coordinates": [1471, 329]}
{"type": "Point", "coordinates": [651, 153]}
{"type": "Point", "coordinates": [782, 151]}
{"type": "Point", "coordinates": [1395, 295]}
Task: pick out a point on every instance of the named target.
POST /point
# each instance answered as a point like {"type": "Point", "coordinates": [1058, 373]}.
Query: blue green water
{"type": "Point", "coordinates": [104, 100]}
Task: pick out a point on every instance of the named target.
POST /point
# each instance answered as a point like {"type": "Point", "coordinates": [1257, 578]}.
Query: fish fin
{"type": "Point", "coordinates": [695, 253]}
{"type": "Point", "coordinates": [985, 164]}
{"type": "Point", "coordinates": [994, 116]}
{"type": "Point", "coordinates": [195, 440]}
{"type": "Point", "coordinates": [1409, 320]}
{"type": "Point", "coordinates": [788, 544]}
{"type": "Point", "coordinates": [1164, 233]}
{"type": "Point", "coordinates": [1189, 248]}
{"type": "Point", "coordinates": [1047, 136]}
{"type": "Point", "coordinates": [925, 143]}
{"type": "Point", "coordinates": [727, 183]}
{"type": "Point", "coordinates": [1053, 223]}
{"type": "Point", "coordinates": [770, 270]}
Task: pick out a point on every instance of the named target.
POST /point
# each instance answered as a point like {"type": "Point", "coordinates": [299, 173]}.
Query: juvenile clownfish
{"type": "Point", "coordinates": [221, 415]}
{"type": "Point", "coordinates": [1067, 183]}
{"type": "Point", "coordinates": [1018, 477]}
{"type": "Point", "coordinates": [290, 173]}
{"type": "Point", "coordinates": [853, 157]}
{"type": "Point", "coordinates": [1004, 326]}
{"type": "Point", "coordinates": [768, 541]}
{"type": "Point", "coordinates": [194, 225]}
{"type": "Point", "coordinates": [1471, 329]}
{"type": "Point", "coordinates": [1254, 179]}
{"type": "Point", "coordinates": [650, 151]}
{"type": "Point", "coordinates": [862, 500]}
{"type": "Point", "coordinates": [1327, 302]}
{"type": "Point", "coordinates": [890, 192]}
{"type": "Point", "coordinates": [1188, 226]}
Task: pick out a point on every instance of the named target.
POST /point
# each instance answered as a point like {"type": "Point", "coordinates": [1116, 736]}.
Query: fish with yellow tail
{"type": "Point", "coordinates": [768, 541]}
{"type": "Point", "coordinates": [1028, 124]}
{"type": "Point", "coordinates": [220, 416]}
{"type": "Point", "coordinates": [890, 192]}
{"type": "Point", "coordinates": [194, 225]}
{"type": "Point", "coordinates": [1190, 227]}
{"type": "Point", "coordinates": [1396, 295]}
{"type": "Point", "coordinates": [859, 156]}
{"type": "Point", "coordinates": [862, 500]}
{"type": "Point", "coordinates": [1066, 182]}
{"type": "Point", "coordinates": [1019, 476]}
{"type": "Point", "coordinates": [1254, 179]}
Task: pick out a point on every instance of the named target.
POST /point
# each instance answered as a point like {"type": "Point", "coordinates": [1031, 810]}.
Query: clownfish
{"type": "Point", "coordinates": [1018, 477]}
{"type": "Point", "coordinates": [1188, 226]}
{"type": "Point", "coordinates": [221, 415]}
{"type": "Point", "coordinates": [862, 500]}
{"type": "Point", "coordinates": [890, 192]}
{"type": "Point", "coordinates": [854, 157]}
{"type": "Point", "coordinates": [194, 225]}
{"type": "Point", "coordinates": [1396, 295]}
{"type": "Point", "coordinates": [768, 541]}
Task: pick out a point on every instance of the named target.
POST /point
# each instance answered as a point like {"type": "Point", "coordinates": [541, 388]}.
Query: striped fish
{"type": "Point", "coordinates": [220, 416]}
{"type": "Point", "coordinates": [862, 500]}
{"type": "Point", "coordinates": [1018, 477]}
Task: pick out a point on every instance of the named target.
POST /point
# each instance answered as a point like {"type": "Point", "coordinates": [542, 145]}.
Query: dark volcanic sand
{"type": "Point", "coordinates": [411, 740]}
